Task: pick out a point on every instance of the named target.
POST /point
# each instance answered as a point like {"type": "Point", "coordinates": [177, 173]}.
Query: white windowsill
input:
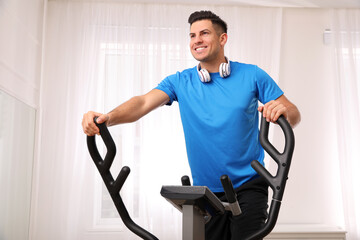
{"type": "Point", "coordinates": [306, 231]}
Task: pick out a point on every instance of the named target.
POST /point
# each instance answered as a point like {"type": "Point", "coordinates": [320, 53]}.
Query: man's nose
{"type": "Point", "coordinates": [198, 39]}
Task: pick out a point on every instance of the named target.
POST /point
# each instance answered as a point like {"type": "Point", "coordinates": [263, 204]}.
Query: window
{"type": "Point", "coordinates": [129, 69]}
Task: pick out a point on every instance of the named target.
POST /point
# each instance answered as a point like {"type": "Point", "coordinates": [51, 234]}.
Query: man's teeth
{"type": "Point", "coordinates": [199, 49]}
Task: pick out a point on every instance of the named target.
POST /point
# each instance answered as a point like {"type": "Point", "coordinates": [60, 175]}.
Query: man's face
{"type": "Point", "coordinates": [205, 43]}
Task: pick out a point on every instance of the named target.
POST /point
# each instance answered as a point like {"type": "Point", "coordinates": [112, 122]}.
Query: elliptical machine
{"type": "Point", "coordinates": [198, 203]}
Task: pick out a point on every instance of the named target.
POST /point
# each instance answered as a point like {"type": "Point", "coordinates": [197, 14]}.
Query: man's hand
{"type": "Point", "coordinates": [89, 127]}
{"type": "Point", "coordinates": [273, 110]}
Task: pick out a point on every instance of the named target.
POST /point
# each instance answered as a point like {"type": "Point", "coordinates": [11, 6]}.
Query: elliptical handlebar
{"type": "Point", "coordinates": [230, 195]}
{"type": "Point", "coordinates": [114, 187]}
{"type": "Point", "coordinates": [283, 160]}
{"type": "Point", "coordinates": [277, 182]}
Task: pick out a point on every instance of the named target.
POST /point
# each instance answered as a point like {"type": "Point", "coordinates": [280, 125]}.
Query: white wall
{"type": "Point", "coordinates": [20, 48]}
{"type": "Point", "coordinates": [16, 162]}
{"type": "Point", "coordinates": [307, 75]}
{"type": "Point", "coordinates": [21, 28]}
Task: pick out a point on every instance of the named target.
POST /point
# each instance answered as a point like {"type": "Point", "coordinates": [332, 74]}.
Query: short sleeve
{"type": "Point", "coordinates": [266, 87]}
{"type": "Point", "coordinates": [168, 86]}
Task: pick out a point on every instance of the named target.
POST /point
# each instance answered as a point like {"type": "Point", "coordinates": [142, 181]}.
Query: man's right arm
{"type": "Point", "coordinates": [129, 111]}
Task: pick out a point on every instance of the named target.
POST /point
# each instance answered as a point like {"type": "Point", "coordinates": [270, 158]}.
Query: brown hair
{"type": "Point", "coordinates": [208, 15]}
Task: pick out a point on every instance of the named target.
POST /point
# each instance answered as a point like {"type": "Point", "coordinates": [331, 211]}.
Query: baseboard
{"type": "Point", "coordinates": [306, 231]}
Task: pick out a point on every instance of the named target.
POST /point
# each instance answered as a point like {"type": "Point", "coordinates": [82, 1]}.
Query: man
{"type": "Point", "coordinates": [218, 101]}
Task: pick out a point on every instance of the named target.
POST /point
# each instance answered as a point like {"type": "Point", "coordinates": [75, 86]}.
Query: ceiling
{"type": "Point", "coordinates": [259, 3]}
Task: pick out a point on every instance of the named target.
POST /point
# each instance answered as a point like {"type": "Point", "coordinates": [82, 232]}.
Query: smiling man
{"type": "Point", "coordinates": [218, 102]}
{"type": "Point", "coordinates": [207, 42]}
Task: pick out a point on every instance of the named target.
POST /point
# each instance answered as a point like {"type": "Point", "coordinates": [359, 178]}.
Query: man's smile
{"type": "Point", "coordinates": [200, 48]}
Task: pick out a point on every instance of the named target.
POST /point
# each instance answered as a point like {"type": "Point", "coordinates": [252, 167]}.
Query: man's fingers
{"type": "Point", "coordinates": [268, 107]}
{"type": "Point", "coordinates": [89, 127]}
{"type": "Point", "coordinates": [273, 110]}
{"type": "Point", "coordinates": [102, 118]}
{"type": "Point", "coordinates": [277, 112]}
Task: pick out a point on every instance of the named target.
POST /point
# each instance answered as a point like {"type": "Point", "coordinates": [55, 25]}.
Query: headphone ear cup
{"type": "Point", "coordinates": [204, 76]}
{"type": "Point", "coordinates": [224, 70]}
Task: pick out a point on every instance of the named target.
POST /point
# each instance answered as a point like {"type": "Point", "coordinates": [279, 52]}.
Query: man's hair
{"type": "Point", "coordinates": [208, 15]}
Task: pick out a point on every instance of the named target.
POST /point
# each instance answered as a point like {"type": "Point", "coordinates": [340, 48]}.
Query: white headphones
{"type": "Point", "coordinates": [224, 71]}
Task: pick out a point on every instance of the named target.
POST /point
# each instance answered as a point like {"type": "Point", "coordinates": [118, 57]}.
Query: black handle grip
{"type": "Point", "coordinates": [114, 187]}
{"type": "Point", "coordinates": [120, 180]}
{"type": "Point", "coordinates": [230, 195]}
{"type": "Point", "coordinates": [283, 160]}
{"type": "Point", "coordinates": [102, 165]}
{"type": "Point", "coordinates": [277, 182]}
{"type": "Point", "coordinates": [228, 189]}
{"type": "Point", "coordinates": [185, 180]}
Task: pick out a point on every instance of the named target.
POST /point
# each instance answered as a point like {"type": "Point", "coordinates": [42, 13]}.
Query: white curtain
{"type": "Point", "coordinates": [98, 55]}
{"type": "Point", "coordinates": [347, 44]}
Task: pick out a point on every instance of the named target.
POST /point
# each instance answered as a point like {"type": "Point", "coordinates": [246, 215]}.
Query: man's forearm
{"type": "Point", "coordinates": [129, 111]}
{"type": "Point", "coordinates": [293, 116]}
{"type": "Point", "coordinates": [137, 107]}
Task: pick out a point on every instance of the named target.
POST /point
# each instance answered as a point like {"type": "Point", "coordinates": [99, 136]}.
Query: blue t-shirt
{"type": "Point", "coordinates": [220, 121]}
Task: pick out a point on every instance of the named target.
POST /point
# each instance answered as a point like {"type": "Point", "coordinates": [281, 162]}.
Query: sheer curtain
{"type": "Point", "coordinates": [347, 40]}
{"type": "Point", "coordinates": [98, 55]}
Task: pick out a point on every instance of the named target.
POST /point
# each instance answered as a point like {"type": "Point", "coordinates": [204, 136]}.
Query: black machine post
{"type": "Point", "coordinates": [114, 186]}
{"type": "Point", "coordinates": [195, 203]}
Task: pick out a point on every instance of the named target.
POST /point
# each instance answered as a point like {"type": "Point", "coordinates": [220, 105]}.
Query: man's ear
{"type": "Point", "coordinates": [223, 39]}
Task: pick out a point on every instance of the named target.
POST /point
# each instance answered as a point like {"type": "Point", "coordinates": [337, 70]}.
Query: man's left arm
{"type": "Point", "coordinates": [272, 110]}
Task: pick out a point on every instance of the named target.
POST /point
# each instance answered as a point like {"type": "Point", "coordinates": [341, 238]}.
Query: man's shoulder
{"type": "Point", "coordinates": [184, 72]}
{"type": "Point", "coordinates": [187, 71]}
{"type": "Point", "coordinates": [182, 75]}
{"type": "Point", "coordinates": [242, 65]}
{"type": "Point", "coordinates": [243, 68]}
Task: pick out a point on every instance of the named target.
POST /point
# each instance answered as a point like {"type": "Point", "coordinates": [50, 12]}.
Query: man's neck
{"type": "Point", "coordinates": [213, 66]}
